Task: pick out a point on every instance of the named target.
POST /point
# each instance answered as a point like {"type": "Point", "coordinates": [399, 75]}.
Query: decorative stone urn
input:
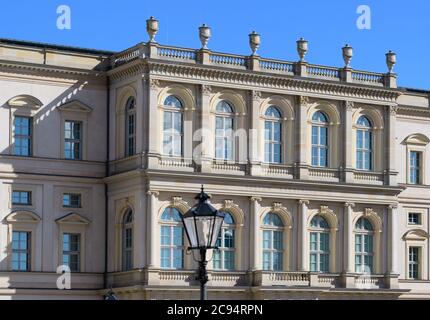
{"type": "Point", "coordinates": [152, 28]}
{"type": "Point", "coordinates": [391, 60]}
{"type": "Point", "coordinates": [205, 34]}
{"type": "Point", "coordinates": [254, 42]}
{"type": "Point", "coordinates": [302, 49]}
{"type": "Point", "coordinates": [347, 52]}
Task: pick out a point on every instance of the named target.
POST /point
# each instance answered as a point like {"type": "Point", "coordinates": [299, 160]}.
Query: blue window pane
{"type": "Point", "coordinates": [315, 135]}
{"type": "Point", "coordinates": [277, 261]}
{"type": "Point", "coordinates": [313, 262]}
{"type": "Point", "coordinates": [266, 261]}
{"type": "Point", "coordinates": [217, 260]}
{"type": "Point", "coordinates": [277, 153]}
{"type": "Point", "coordinates": [266, 240]}
{"type": "Point", "coordinates": [277, 131]}
{"type": "Point", "coordinates": [229, 260]}
{"type": "Point", "coordinates": [165, 258]}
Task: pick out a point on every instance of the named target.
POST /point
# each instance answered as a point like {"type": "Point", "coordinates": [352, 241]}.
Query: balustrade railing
{"type": "Point", "coordinates": [241, 62]}
{"type": "Point", "coordinates": [227, 59]}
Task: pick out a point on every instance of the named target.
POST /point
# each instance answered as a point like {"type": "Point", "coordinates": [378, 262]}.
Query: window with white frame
{"type": "Point", "coordinates": [130, 128]}
{"type": "Point", "coordinates": [72, 140]}
{"type": "Point", "coordinates": [320, 131]}
{"type": "Point", "coordinates": [273, 242]}
{"type": "Point", "coordinates": [364, 145]}
{"type": "Point", "coordinates": [415, 167]}
{"type": "Point", "coordinates": [72, 200]}
{"type": "Point", "coordinates": [22, 136]}
{"type": "Point", "coordinates": [414, 263]}
{"type": "Point", "coordinates": [223, 258]}
{"type": "Point", "coordinates": [414, 218]}
{"type": "Point", "coordinates": [21, 251]}
{"type": "Point", "coordinates": [172, 239]}
{"type": "Point", "coordinates": [72, 251]}
{"type": "Point", "coordinates": [364, 246]}
{"type": "Point", "coordinates": [21, 198]}
{"type": "Point", "coordinates": [319, 245]}
{"type": "Point", "coordinates": [173, 126]}
{"type": "Point", "coordinates": [224, 131]}
{"type": "Point", "coordinates": [273, 135]}
{"type": "Point", "coordinates": [127, 241]}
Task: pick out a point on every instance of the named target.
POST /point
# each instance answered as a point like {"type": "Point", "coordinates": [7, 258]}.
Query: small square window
{"type": "Point", "coordinates": [21, 198]}
{"type": "Point", "coordinates": [71, 200]}
{"type": "Point", "coordinates": [414, 218]}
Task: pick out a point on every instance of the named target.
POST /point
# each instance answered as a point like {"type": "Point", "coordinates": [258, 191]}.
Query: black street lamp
{"type": "Point", "coordinates": [202, 225]}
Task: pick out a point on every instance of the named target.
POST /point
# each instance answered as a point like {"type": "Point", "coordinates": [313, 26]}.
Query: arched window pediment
{"type": "Point", "coordinates": [181, 93]}
{"type": "Point", "coordinates": [417, 139]}
{"type": "Point", "coordinates": [234, 99]}
{"type": "Point", "coordinates": [329, 110]}
{"type": "Point", "coordinates": [373, 217]}
{"type": "Point", "coordinates": [282, 105]}
{"type": "Point", "coordinates": [281, 212]}
{"type": "Point", "coordinates": [328, 214]}
{"type": "Point", "coordinates": [416, 234]}
{"type": "Point", "coordinates": [25, 101]}
{"type": "Point", "coordinates": [22, 217]}
{"type": "Point", "coordinates": [225, 106]}
{"type": "Point", "coordinates": [234, 209]}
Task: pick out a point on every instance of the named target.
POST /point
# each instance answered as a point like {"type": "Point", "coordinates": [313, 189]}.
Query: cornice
{"type": "Point", "coordinates": [413, 112]}
{"type": "Point", "coordinates": [51, 71]}
{"type": "Point", "coordinates": [253, 80]}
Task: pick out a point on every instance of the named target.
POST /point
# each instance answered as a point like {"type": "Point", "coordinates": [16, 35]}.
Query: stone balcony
{"type": "Point", "coordinates": [278, 280]}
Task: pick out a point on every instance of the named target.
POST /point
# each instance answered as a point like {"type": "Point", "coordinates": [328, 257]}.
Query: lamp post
{"type": "Point", "coordinates": [202, 225]}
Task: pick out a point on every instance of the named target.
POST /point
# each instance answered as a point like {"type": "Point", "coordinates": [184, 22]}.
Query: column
{"type": "Point", "coordinates": [254, 245]}
{"type": "Point", "coordinates": [302, 148]}
{"type": "Point", "coordinates": [392, 276]}
{"type": "Point", "coordinates": [348, 240]}
{"type": "Point", "coordinates": [139, 230]}
{"type": "Point", "coordinates": [154, 130]}
{"type": "Point", "coordinates": [151, 231]}
{"type": "Point", "coordinates": [207, 143]}
{"type": "Point", "coordinates": [349, 165]}
{"type": "Point", "coordinates": [254, 133]}
{"type": "Point", "coordinates": [303, 209]}
{"type": "Point", "coordinates": [394, 243]}
{"type": "Point", "coordinates": [391, 178]}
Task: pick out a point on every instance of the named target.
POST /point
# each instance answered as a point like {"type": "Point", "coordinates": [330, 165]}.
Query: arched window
{"type": "Point", "coordinates": [173, 126]}
{"type": "Point", "coordinates": [172, 239]}
{"type": "Point", "coordinates": [364, 144]}
{"type": "Point", "coordinates": [320, 139]}
{"type": "Point", "coordinates": [224, 131]}
{"type": "Point", "coordinates": [224, 257]}
{"type": "Point", "coordinates": [363, 246]}
{"type": "Point", "coordinates": [127, 240]}
{"type": "Point", "coordinates": [273, 245]}
{"type": "Point", "coordinates": [319, 245]}
{"type": "Point", "coordinates": [130, 127]}
{"type": "Point", "coordinates": [273, 135]}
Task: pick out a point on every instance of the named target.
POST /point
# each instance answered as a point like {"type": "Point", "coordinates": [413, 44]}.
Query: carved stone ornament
{"type": "Point", "coordinates": [206, 90]}
{"type": "Point", "coordinates": [303, 100]}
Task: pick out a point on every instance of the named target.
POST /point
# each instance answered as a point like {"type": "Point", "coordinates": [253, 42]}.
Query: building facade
{"type": "Point", "coordinates": [321, 171]}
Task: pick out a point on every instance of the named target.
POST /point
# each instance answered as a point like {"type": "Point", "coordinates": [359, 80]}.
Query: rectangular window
{"type": "Point", "coordinates": [22, 136]}
{"type": "Point", "coordinates": [414, 218]}
{"type": "Point", "coordinates": [71, 200]}
{"type": "Point", "coordinates": [73, 140]}
{"type": "Point", "coordinates": [21, 251]}
{"type": "Point", "coordinates": [72, 251]}
{"type": "Point", "coordinates": [22, 198]}
{"type": "Point", "coordinates": [415, 167]}
{"type": "Point", "coordinates": [414, 262]}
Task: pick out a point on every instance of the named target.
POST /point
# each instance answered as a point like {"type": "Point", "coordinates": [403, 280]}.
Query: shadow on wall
{"type": "Point", "coordinates": [27, 105]}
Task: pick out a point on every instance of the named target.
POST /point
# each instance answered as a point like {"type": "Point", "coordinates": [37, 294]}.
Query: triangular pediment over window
{"type": "Point", "coordinates": [76, 106]}
{"type": "Point", "coordinates": [22, 217]}
{"type": "Point", "coordinates": [25, 101]}
{"type": "Point", "coordinates": [73, 218]}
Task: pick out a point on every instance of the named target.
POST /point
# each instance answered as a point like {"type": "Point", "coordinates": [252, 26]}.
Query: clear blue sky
{"type": "Point", "coordinates": [402, 26]}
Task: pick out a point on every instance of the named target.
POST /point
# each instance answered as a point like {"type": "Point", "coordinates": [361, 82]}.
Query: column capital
{"type": "Point", "coordinates": [306, 202]}
{"type": "Point", "coordinates": [206, 90]}
{"type": "Point", "coordinates": [255, 95]}
{"type": "Point", "coordinates": [154, 84]}
{"type": "Point", "coordinates": [349, 105]}
{"type": "Point", "coordinates": [153, 193]}
{"type": "Point", "coordinates": [303, 100]}
{"type": "Point", "coordinates": [393, 206]}
{"type": "Point", "coordinates": [349, 204]}
{"type": "Point", "coordinates": [255, 199]}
